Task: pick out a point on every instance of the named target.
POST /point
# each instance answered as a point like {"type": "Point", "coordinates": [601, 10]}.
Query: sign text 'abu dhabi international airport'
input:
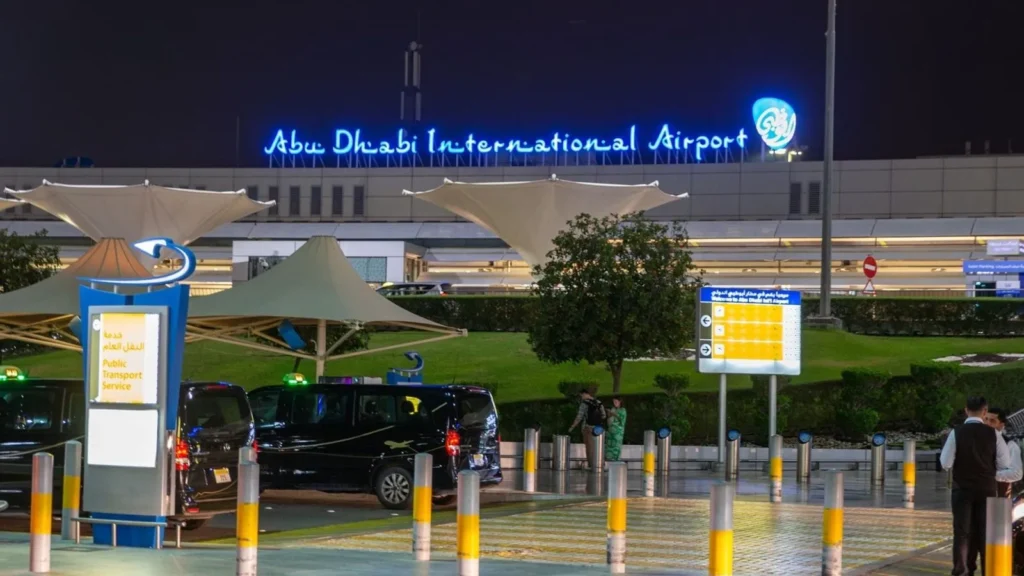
{"type": "Point", "coordinates": [748, 331]}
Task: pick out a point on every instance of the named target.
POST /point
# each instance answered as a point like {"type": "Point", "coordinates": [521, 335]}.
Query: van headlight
{"type": "Point", "coordinates": [1018, 511]}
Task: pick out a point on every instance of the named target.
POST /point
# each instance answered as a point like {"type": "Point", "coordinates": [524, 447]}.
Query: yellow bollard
{"type": "Point", "coordinates": [530, 459]}
{"type": "Point", "coordinates": [617, 517]}
{"type": "Point", "coordinates": [775, 467]}
{"type": "Point", "coordinates": [467, 526]}
{"type": "Point", "coordinates": [999, 537]}
{"type": "Point", "coordinates": [247, 521]}
{"type": "Point", "coordinates": [649, 463]}
{"type": "Point", "coordinates": [422, 500]}
{"type": "Point", "coordinates": [832, 526]}
{"type": "Point", "coordinates": [720, 548]}
{"type": "Point", "coordinates": [909, 472]}
{"type": "Point", "coordinates": [72, 488]}
{"type": "Point", "coordinates": [41, 513]}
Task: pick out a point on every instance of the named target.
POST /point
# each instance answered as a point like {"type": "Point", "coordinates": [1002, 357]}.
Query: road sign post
{"type": "Point", "coordinates": [870, 267]}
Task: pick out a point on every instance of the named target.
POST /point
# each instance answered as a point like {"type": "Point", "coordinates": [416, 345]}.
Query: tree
{"type": "Point", "coordinates": [25, 260]}
{"type": "Point", "coordinates": [613, 289]}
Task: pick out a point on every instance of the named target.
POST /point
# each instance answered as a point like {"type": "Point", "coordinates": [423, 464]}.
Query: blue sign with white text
{"type": "Point", "coordinates": [774, 119]}
{"type": "Point", "coordinates": [712, 294]}
{"type": "Point", "coordinates": [993, 267]}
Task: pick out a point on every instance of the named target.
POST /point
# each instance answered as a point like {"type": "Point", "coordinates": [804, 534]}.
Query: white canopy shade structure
{"type": "Point", "coordinates": [314, 286]}
{"type": "Point", "coordinates": [528, 215]}
{"type": "Point", "coordinates": [36, 313]}
{"type": "Point", "coordinates": [141, 211]}
{"type": "Point", "coordinates": [6, 203]}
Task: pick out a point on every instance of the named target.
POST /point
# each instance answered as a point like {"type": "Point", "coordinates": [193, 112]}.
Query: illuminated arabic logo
{"type": "Point", "coordinates": [775, 121]}
{"type": "Point", "coordinates": [152, 247]}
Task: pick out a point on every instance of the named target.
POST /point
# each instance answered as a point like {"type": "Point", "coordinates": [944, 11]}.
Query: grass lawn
{"type": "Point", "coordinates": [506, 360]}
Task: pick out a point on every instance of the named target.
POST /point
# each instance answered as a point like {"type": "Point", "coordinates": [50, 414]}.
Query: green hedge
{"type": "Point", "coordinates": [860, 315]}
{"type": "Point", "coordinates": [812, 407]}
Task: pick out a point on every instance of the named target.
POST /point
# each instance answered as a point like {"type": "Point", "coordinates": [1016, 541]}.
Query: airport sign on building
{"type": "Point", "coordinates": [748, 331]}
{"type": "Point", "coordinates": [1003, 247]}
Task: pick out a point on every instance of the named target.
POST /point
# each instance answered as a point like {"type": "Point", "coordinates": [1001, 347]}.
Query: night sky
{"type": "Point", "coordinates": [162, 83]}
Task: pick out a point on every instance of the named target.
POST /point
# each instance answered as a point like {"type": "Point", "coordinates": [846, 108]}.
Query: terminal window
{"type": "Point", "coordinates": [358, 200]}
{"type": "Point", "coordinates": [795, 197]}
{"type": "Point", "coordinates": [274, 196]}
{"type": "Point", "coordinates": [253, 192]}
{"type": "Point", "coordinates": [315, 200]}
{"type": "Point", "coordinates": [814, 198]}
{"type": "Point", "coordinates": [293, 201]}
{"type": "Point", "coordinates": [337, 198]}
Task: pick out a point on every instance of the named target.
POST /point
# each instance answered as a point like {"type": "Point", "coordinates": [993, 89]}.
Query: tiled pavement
{"type": "Point", "coordinates": [672, 534]}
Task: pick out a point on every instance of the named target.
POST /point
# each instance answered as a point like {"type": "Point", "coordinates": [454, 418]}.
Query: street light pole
{"type": "Point", "coordinates": [825, 310]}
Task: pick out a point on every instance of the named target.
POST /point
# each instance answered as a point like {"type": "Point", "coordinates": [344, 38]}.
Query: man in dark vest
{"type": "Point", "coordinates": [975, 453]}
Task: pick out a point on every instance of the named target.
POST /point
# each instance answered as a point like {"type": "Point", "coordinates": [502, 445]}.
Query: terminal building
{"type": "Point", "coordinates": [753, 218]}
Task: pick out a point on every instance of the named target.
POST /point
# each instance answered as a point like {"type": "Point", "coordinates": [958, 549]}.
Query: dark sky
{"type": "Point", "coordinates": [161, 83]}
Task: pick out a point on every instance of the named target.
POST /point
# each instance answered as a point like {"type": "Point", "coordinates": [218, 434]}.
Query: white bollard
{"type": "Point", "coordinates": [41, 513]}
{"type": "Point", "coordinates": [617, 517]}
{"type": "Point", "coordinates": [467, 526]}
{"type": "Point", "coordinates": [247, 521]}
{"type": "Point", "coordinates": [246, 454]}
{"type": "Point", "coordinates": [72, 489]}
{"type": "Point", "coordinates": [999, 537]}
{"type": "Point", "coordinates": [832, 526]}
{"type": "Point", "coordinates": [422, 500]}
{"type": "Point", "coordinates": [720, 546]}
{"type": "Point", "coordinates": [649, 463]}
{"type": "Point", "coordinates": [530, 460]}
{"type": "Point", "coordinates": [909, 472]}
{"type": "Point", "coordinates": [775, 467]}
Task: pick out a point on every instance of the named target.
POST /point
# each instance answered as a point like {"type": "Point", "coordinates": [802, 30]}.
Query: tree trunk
{"type": "Point", "coordinates": [616, 369]}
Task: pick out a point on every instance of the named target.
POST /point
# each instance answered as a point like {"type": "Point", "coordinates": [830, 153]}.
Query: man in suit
{"type": "Point", "coordinates": [1005, 479]}
{"type": "Point", "coordinates": [975, 452]}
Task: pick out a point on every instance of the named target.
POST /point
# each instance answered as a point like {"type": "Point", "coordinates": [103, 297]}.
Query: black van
{"type": "Point", "coordinates": [214, 421]}
{"type": "Point", "coordinates": [364, 437]}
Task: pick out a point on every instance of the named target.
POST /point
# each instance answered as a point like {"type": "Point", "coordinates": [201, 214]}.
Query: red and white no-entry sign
{"type": "Point", "coordinates": [870, 267]}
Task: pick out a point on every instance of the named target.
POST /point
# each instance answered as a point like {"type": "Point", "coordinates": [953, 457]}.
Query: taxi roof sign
{"type": "Point", "coordinates": [295, 379]}
{"type": "Point", "coordinates": [11, 373]}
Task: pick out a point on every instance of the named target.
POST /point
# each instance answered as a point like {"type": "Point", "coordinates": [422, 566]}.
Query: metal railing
{"type": "Point", "coordinates": [77, 522]}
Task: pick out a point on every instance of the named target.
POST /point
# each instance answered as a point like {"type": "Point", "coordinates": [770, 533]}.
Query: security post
{"type": "Point", "coordinates": [422, 500]}
{"type": "Point", "coordinates": [775, 467]}
{"type": "Point", "coordinates": [649, 463]}
{"type": "Point", "coordinates": [530, 460]}
{"type": "Point", "coordinates": [909, 472]}
{"type": "Point", "coordinates": [598, 447]}
{"type": "Point", "coordinates": [41, 513]}
{"type": "Point", "coordinates": [720, 548]}
{"type": "Point", "coordinates": [999, 537]}
{"type": "Point", "coordinates": [878, 458]}
{"type": "Point", "coordinates": [664, 450]}
{"type": "Point", "coordinates": [559, 452]}
{"type": "Point", "coordinates": [617, 517]}
{"type": "Point", "coordinates": [72, 489]}
{"type": "Point", "coordinates": [467, 527]}
{"type": "Point", "coordinates": [246, 454]}
{"type": "Point", "coordinates": [803, 457]}
{"type": "Point", "coordinates": [247, 521]}
{"type": "Point", "coordinates": [832, 526]}
{"type": "Point", "coordinates": [732, 455]}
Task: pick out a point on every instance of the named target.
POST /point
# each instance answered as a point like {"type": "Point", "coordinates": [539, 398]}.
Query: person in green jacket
{"type": "Point", "coordinates": [616, 430]}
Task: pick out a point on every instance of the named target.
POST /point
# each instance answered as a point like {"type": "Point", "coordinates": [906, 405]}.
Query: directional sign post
{"type": "Point", "coordinates": [870, 269]}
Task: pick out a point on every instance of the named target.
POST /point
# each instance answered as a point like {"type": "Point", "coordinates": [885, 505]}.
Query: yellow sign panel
{"type": "Point", "coordinates": [748, 331]}
{"type": "Point", "coordinates": [125, 349]}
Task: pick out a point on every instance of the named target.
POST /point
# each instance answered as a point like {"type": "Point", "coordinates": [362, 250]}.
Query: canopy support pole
{"type": "Point", "coordinates": [321, 347]}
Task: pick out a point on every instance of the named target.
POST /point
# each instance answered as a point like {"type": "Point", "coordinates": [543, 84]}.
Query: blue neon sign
{"type": "Point", "coordinates": [775, 121]}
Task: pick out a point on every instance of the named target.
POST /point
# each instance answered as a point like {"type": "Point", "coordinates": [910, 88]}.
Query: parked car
{"type": "Point", "coordinates": [214, 421]}
{"type": "Point", "coordinates": [416, 289]}
{"type": "Point", "coordinates": [364, 437]}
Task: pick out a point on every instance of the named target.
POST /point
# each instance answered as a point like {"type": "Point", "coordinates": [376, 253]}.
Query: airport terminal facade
{"type": "Point", "coordinates": [752, 223]}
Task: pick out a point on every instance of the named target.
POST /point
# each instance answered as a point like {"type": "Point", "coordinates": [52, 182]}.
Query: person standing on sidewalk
{"type": "Point", "coordinates": [590, 413]}
{"type": "Point", "coordinates": [975, 452]}
{"type": "Point", "coordinates": [616, 430]}
{"type": "Point", "coordinates": [1005, 479]}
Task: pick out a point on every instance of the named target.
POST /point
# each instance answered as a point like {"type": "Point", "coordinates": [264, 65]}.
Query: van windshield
{"type": "Point", "coordinates": [29, 408]}
{"type": "Point", "coordinates": [476, 410]}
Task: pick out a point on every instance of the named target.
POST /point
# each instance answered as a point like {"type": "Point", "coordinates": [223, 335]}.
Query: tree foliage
{"type": "Point", "coordinates": [26, 260]}
{"type": "Point", "coordinates": [613, 289]}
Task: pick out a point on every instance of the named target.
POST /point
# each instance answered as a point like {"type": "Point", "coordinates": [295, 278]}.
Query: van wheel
{"type": "Point", "coordinates": [394, 488]}
{"type": "Point", "coordinates": [194, 524]}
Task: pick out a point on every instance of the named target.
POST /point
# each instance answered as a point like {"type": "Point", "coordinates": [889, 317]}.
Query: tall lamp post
{"type": "Point", "coordinates": [825, 310]}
